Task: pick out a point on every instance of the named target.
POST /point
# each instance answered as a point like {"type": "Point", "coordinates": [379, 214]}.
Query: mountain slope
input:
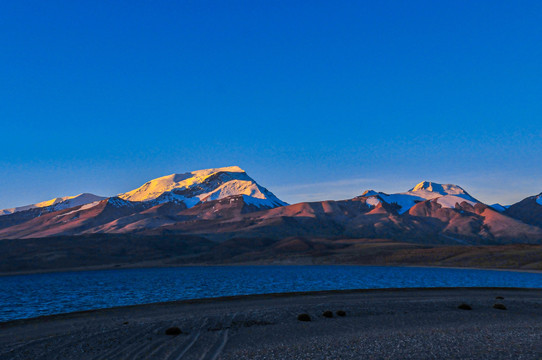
{"type": "Point", "coordinates": [56, 203]}
{"type": "Point", "coordinates": [426, 222]}
{"type": "Point", "coordinates": [447, 194]}
{"type": "Point", "coordinates": [73, 221]}
{"type": "Point", "coordinates": [204, 185]}
{"type": "Point", "coordinates": [447, 213]}
{"type": "Point", "coordinates": [157, 203]}
{"type": "Point", "coordinates": [528, 210]}
{"type": "Point", "coordinates": [427, 213]}
{"type": "Point", "coordinates": [225, 203]}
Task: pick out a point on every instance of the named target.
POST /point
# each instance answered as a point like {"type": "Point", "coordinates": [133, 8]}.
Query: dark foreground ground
{"type": "Point", "coordinates": [379, 324]}
{"type": "Point", "coordinates": [126, 251]}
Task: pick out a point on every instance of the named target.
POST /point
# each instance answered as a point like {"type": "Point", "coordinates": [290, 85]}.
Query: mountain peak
{"type": "Point", "coordinates": [182, 181]}
{"type": "Point", "coordinates": [58, 203]}
{"type": "Point", "coordinates": [442, 189]}
{"type": "Point", "coordinates": [369, 193]}
{"type": "Point", "coordinates": [204, 185]}
{"type": "Point", "coordinates": [447, 195]}
{"type": "Point", "coordinates": [207, 172]}
{"type": "Point", "coordinates": [425, 185]}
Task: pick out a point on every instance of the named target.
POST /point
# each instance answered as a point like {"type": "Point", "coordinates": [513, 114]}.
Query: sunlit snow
{"type": "Point", "coordinates": [59, 203]}
{"type": "Point", "coordinates": [447, 195]}
{"type": "Point", "coordinates": [204, 185]}
{"type": "Point", "coordinates": [372, 201]}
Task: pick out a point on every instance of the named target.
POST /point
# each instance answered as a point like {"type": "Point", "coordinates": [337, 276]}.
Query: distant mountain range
{"type": "Point", "coordinates": [57, 203]}
{"type": "Point", "coordinates": [225, 203]}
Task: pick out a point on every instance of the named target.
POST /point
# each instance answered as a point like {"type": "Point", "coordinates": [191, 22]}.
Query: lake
{"type": "Point", "coordinates": [25, 296]}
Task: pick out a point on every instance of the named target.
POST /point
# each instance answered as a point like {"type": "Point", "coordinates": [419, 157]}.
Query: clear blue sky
{"type": "Point", "coordinates": [314, 99]}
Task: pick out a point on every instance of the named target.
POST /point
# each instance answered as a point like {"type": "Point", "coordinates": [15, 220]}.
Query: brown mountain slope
{"type": "Point", "coordinates": [171, 218]}
{"type": "Point", "coordinates": [20, 217]}
{"type": "Point", "coordinates": [478, 224]}
{"type": "Point", "coordinates": [426, 222]}
{"type": "Point", "coordinates": [527, 210]}
{"type": "Point", "coordinates": [72, 221]}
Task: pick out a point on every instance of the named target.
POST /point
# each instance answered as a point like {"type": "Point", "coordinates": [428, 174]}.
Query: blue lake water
{"type": "Point", "coordinates": [25, 296]}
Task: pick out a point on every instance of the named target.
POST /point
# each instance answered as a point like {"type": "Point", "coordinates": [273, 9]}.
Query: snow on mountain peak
{"type": "Point", "coordinates": [438, 189]}
{"type": "Point", "coordinates": [372, 201]}
{"type": "Point", "coordinates": [429, 190]}
{"type": "Point", "coordinates": [447, 195]}
{"type": "Point", "coordinates": [156, 187]}
{"type": "Point", "coordinates": [58, 203]}
{"type": "Point", "coordinates": [204, 185]}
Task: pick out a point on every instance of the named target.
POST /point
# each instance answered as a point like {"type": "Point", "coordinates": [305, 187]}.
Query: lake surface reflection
{"type": "Point", "coordinates": [25, 296]}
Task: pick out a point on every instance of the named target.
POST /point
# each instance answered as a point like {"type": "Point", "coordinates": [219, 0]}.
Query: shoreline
{"type": "Point", "coordinates": [426, 322]}
{"type": "Point", "coordinates": [151, 266]}
{"type": "Point", "coordinates": [277, 295]}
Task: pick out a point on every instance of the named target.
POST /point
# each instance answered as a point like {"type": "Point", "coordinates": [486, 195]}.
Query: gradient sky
{"type": "Point", "coordinates": [314, 99]}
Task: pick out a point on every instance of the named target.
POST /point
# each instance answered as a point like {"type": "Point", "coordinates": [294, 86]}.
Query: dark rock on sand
{"type": "Point", "coordinates": [499, 307]}
{"type": "Point", "coordinates": [303, 317]}
{"type": "Point", "coordinates": [173, 331]}
{"type": "Point", "coordinates": [327, 314]}
{"type": "Point", "coordinates": [381, 324]}
{"type": "Point", "coordinates": [465, 307]}
{"type": "Point", "coordinates": [499, 298]}
{"type": "Point", "coordinates": [250, 323]}
{"type": "Point", "coordinates": [341, 313]}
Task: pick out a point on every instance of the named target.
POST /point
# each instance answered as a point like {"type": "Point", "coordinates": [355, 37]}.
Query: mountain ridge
{"type": "Point", "coordinates": [57, 203]}
{"type": "Point", "coordinates": [204, 185]}
{"type": "Point", "coordinates": [449, 195]}
{"type": "Point", "coordinates": [224, 203]}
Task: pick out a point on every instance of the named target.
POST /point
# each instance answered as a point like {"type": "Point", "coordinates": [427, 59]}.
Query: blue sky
{"type": "Point", "coordinates": [315, 100]}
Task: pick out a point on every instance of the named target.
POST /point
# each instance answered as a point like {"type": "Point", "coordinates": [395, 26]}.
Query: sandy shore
{"type": "Point", "coordinates": [379, 324]}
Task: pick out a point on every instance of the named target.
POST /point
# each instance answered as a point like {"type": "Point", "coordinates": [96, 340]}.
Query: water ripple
{"type": "Point", "coordinates": [26, 296]}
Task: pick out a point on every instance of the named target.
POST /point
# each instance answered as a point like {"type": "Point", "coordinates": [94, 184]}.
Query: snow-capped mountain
{"type": "Point", "coordinates": [56, 204]}
{"type": "Point", "coordinates": [226, 203]}
{"type": "Point", "coordinates": [162, 201]}
{"type": "Point", "coordinates": [447, 195]}
{"type": "Point", "coordinates": [194, 187]}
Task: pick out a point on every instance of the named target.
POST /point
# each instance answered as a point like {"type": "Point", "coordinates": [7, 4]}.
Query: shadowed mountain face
{"type": "Point", "coordinates": [225, 203]}
{"type": "Point", "coordinates": [528, 210]}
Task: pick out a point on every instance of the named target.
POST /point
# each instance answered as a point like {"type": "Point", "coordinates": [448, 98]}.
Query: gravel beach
{"type": "Point", "coordinates": [377, 324]}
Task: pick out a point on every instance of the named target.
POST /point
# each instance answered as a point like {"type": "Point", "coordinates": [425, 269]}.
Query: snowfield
{"type": "Point", "coordinates": [204, 185]}
{"type": "Point", "coordinates": [59, 203]}
{"type": "Point", "coordinates": [447, 195]}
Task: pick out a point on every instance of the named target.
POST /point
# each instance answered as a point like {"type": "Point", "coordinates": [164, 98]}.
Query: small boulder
{"type": "Point", "coordinates": [327, 314]}
{"type": "Point", "coordinates": [340, 313]}
{"type": "Point", "coordinates": [465, 307]}
{"type": "Point", "coordinates": [499, 298]}
{"type": "Point", "coordinates": [303, 317]}
{"type": "Point", "coordinates": [499, 307]}
{"type": "Point", "coordinates": [174, 330]}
